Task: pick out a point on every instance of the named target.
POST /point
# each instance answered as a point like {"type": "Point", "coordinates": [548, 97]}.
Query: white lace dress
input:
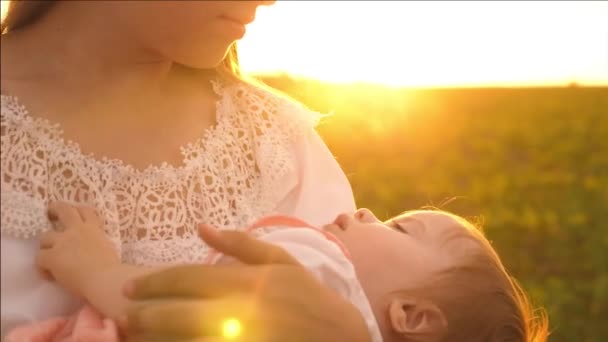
{"type": "Point", "coordinates": [262, 157]}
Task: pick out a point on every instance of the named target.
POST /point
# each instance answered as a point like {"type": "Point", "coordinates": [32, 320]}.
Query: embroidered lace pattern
{"type": "Point", "coordinates": [237, 172]}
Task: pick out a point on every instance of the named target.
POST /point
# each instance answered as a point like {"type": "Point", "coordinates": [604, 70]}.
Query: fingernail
{"type": "Point", "coordinates": [208, 231]}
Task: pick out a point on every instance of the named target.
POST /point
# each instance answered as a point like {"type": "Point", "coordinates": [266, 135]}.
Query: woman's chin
{"type": "Point", "coordinates": [202, 66]}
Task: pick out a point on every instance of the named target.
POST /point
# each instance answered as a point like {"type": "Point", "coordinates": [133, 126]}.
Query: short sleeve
{"type": "Point", "coordinates": [322, 190]}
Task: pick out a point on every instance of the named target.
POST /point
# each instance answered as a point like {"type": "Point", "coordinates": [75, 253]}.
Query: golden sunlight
{"type": "Point", "coordinates": [3, 8]}
{"type": "Point", "coordinates": [432, 43]}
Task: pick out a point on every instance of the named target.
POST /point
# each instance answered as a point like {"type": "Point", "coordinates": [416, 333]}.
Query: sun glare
{"type": "Point", "coordinates": [3, 8]}
{"type": "Point", "coordinates": [231, 328]}
{"type": "Point", "coordinates": [432, 43]}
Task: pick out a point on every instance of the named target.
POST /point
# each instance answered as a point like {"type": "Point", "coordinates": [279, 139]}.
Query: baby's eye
{"type": "Point", "coordinates": [400, 228]}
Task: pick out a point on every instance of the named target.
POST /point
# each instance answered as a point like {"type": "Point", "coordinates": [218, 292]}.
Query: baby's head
{"type": "Point", "coordinates": [432, 276]}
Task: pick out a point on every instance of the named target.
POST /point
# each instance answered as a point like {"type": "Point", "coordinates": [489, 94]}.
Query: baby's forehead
{"type": "Point", "coordinates": [450, 232]}
{"type": "Point", "coordinates": [434, 220]}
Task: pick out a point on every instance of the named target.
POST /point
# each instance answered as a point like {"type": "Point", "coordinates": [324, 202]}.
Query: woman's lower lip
{"type": "Point", "coordinates": [235, 27]}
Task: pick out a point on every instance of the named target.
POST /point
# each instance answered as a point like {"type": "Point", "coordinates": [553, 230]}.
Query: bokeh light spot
{"type": "Point", "coordinates": [231, 328]}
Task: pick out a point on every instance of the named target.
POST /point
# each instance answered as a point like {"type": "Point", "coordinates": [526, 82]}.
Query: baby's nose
{"type": "Point", "coordinates": [364, 215]}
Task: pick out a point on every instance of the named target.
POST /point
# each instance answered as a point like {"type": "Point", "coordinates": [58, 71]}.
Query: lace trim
{"type": "Point", "coordinates": [235, 173]}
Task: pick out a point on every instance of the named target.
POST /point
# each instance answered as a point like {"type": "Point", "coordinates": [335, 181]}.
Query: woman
{"type": "Point", "coordinates": [137, 109]}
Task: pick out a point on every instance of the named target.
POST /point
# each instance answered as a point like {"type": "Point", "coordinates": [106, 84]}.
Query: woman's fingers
{"type": "Point", "coordinates": [148, 338]}
{"type": "Point", "coordinates": [245, 247]}
{"type": "Point", "coordinates": [192, 281]}
{"type": "Point", "coordinates": [191, 318]}
{"type": "Point", "coordinates": [272, 303]}
{"type": "Point", "coordinates": [144, 338]}
{"type": "Point", "coordinates": [212, 236]}
{"type": "Point", "coordinates": [64, 213]}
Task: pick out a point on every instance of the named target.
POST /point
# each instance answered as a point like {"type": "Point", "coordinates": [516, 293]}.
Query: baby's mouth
{"type": "Point", "coordinates": [342, 221]}
{"type": "Point", "coordinates": [333, 227]}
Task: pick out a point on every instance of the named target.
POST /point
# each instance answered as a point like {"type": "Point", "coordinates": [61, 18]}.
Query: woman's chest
{"type": "Point", "coordinates": [235, 173]}
{"type": "Point", "coordinates": [152, 216]}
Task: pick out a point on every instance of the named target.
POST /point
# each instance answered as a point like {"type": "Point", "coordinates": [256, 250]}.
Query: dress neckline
{"type": "Point", "coordinates": [54, 136]}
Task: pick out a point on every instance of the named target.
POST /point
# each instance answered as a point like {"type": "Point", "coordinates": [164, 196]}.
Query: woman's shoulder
{"type": "Point", "coordinates": [23, 131]}
{"type": "Point", "coordinates": [11, 108]}
{"type": "Point", "coordinates": [274, 105]}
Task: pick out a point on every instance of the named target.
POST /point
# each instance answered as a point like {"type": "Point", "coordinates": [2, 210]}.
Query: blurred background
{"type": "Point", "coordinates": [496, 111]}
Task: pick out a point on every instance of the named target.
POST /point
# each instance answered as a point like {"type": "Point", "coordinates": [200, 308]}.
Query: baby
{"type": "Point", "coordinates": [421, 276]}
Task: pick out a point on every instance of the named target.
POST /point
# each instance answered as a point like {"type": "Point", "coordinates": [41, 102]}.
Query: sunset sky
{"type": "Point", "coordinates": [432, 43]}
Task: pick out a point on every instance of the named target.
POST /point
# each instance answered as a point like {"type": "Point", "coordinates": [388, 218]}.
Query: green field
{"type": "Point", "coordinates": [530, 164]}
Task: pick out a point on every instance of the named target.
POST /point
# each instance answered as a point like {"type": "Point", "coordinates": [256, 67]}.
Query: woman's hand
{"type": "Point", "coordinates": [272, 298]}
{"type": "Point", "coordinates": [76, 249]}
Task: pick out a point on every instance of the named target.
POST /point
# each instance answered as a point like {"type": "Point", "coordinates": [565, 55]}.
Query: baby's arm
{"type": "Point", "coordinates": [78, 255]}
{"type": "Point", "coordinates": [104, 289]}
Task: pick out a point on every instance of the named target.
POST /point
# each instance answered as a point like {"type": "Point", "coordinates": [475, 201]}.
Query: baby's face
{"type": "Point", "coordinates": [401, 253]}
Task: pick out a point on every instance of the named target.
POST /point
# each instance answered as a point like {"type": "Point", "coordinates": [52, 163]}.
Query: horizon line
{"type": "Point", "coordinates": [501, 85]}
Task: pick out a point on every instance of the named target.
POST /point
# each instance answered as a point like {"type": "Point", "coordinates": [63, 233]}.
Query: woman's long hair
{"type": "Point", "coordinates": [22, 13]}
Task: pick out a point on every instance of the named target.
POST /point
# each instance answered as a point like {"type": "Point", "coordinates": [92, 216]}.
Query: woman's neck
{"type": "Point", "coordinates": [81, 46]}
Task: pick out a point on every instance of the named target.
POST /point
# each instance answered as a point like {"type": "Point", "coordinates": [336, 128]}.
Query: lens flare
{"type": "Point", "coordinates": [3, 9]}
{"type": "Point", "coordinates": [231, 328]}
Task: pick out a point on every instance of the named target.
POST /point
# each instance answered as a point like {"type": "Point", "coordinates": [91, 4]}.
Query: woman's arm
{"type": "Point", "coordinates": [272, 296]}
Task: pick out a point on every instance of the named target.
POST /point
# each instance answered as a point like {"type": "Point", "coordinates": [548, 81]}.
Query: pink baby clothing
{"type": "Point", "coordinates": [85, 326]}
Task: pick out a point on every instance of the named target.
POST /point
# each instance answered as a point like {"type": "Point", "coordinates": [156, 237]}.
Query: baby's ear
{"type": "Point", "coordinates": [418, 320]}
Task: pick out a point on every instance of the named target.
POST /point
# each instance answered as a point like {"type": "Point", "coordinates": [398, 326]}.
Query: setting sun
{"type": "Point", "coordinates": [432, 43]}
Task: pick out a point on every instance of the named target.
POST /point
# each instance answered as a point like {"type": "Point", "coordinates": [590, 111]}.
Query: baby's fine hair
{"type": "Point", "coordinates": [480, 300]}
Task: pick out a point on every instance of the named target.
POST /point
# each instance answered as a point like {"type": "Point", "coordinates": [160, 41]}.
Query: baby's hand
{"type": "Point", "coordinates": [76, 248]}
